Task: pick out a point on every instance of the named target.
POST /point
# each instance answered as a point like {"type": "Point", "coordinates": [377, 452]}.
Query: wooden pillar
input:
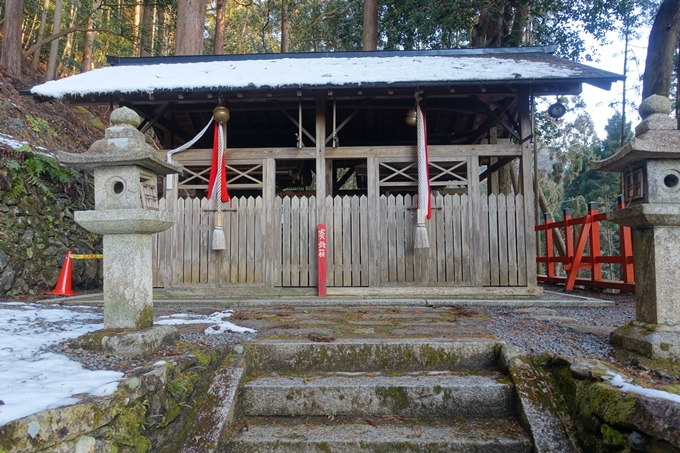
{"type": "Point", "coordinates": [373, 191]}
{"type": "Point", "coordinates": [270, 225]}
{"type": "Point", "coordinates": [527, 187]}
{"type": "Point", "coordinates": [474, 198]}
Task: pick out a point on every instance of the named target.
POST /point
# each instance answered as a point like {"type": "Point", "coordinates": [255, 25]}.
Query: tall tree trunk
{"type": "Point", "coordinates": [66, 55]}
{"type": "Point", "coordinates": [11, 38]}
{"type": "Point", "coordinates": [54, 45]}
{"type": "Point", "coordinates": [137, 20]}
{"type": "Point", "coordinates": [41, 32]}
{"type": "Point", "coordinates": [662, 40]}
{"type": "Point", "coordinates": [146, 39]}
{"type": "Point", "coordinates": [190, 23]}
{"type": "Point", "coordinates": [161, 45]}
{"type": "Point", "coordinates": [218, 40]}
{"type": "Point", "coordinates": [89, 37]}
{"type": "Point", "coordinates": [370, 36]}
{"type": "Point", "coordinates": [285, 35]}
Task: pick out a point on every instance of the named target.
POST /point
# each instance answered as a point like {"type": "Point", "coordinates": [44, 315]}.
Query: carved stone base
{"type": "Point", "coordinates": [651, 340]}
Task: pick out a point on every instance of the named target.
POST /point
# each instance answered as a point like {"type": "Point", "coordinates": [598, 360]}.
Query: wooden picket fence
{"type": "Point", "coordinates": [583, 252]}
{"type": "Point", "coordinates": [183, 255]}
{"type": "Point", "coordinates": [503, 242]}
{"type": "Point", "coordinates": [295, 241]}
{"type": "Point", "coordinates": [448, 233]}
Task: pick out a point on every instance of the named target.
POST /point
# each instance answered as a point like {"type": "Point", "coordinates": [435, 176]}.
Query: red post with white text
{"type": "Point", "coordinates": [321, 241]}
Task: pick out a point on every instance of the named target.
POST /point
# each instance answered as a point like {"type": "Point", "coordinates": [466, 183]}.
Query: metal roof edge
{"type": "Point", "coordinates": [132, 61]}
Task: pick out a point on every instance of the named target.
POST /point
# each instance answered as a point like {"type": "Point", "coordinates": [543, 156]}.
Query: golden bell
{"type": "Point", "coordinates": [411, 117]}
{"type": "Point", "coordinates": [221, 114]}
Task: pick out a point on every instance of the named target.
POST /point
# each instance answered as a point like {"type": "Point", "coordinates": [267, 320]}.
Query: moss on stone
{"type": "Point", "coordinates": [613, 436]}
{"type": "Point", "coordinates": [396, 394]}
{"type": "Point", "coordinates": [608, 403]}
{"type": "Point", "coordinates": [127, 427]}
{"type": "Point", "coordinates": [145, 318]}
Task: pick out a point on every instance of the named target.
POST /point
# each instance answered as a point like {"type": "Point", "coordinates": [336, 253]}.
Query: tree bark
{"type": "Point", "coordinates": [66, 54]}
{"type": "Point", "coordinates": [54, 45]}
{"type": "Point", "coordinates": [370, 37]}
{"type": "Point", "coordinates": [146, 38]}
{"type": "Point", "coordinates": [11, 39]}
{"type": "Point", "coordinates": [137, 20]}
{"type": "Point", "coordinates": [189, 32]}
{"type": "Point", "coordinates": [218, 40]}
{"type": "Point", "coordinates": [41, 33]}
{"type": "Point", "coordinates": [285, 38]}
{"type": "Point", "coordinates": [161, 45]}
{"type": "Point", "coordinates": [86, 64]}
{"type": "Point", "coordinates": [662, 40]}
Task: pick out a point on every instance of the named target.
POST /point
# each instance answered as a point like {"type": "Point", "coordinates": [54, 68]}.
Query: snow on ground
{"type": "Point", "coordinates": [617, 381]}
{"type": "Point", "coordinates": [31, 379]}
{"type": "Point", "coordinates": [219, 319]}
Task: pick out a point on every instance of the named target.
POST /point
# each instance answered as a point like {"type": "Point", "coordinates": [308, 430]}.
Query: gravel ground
{"type": "Point", "coordinates": [538, 336]}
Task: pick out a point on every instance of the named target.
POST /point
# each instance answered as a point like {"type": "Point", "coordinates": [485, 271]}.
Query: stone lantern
{"type": "Point", "coordinates": [650, 167]}
{"type": "Point", "coordinates": [126, 213]}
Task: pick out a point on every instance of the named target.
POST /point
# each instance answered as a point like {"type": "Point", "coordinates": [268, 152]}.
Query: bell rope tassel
{"type": "Point", "coordinates": [423, 212]}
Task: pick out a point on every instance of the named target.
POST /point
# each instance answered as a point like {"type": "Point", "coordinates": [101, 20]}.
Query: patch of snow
{"type": "Point", "coordinates": [11, 142]}
{"type": "Point", "coordinates": [32, 379]}
{"type": "Point", "coordinates": [299, 72]}
{"type": "Point", "coordinates": [218, 319]}
{"type": "Point", "coordinates": [160, 362]}
{"type": "Point", "coordinates": [617, 381]}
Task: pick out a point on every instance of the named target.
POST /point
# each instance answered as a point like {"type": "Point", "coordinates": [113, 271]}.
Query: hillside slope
{"type": "Point", "coordinates": [37, 195]}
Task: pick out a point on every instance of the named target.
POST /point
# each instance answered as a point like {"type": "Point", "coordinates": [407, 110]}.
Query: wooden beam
{"type": "Point", "coordinates": [297, 124]}
{"type": "Point", "coordinates": [502, 162]}
{"type": "Point", "coordinates": [527, 184]}
{"type": "Point", "coordinates": [321, 160]}
{"type": "Point", "coordinates": [158, 116]}
{"type": "Point", "coordinates": [347, 120]}
{"type": "Point", "coordinates": [498, 118]}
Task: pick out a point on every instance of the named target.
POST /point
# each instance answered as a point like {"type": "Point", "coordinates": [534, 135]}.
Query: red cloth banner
{"type": "Point", "coordinates": [217, 164]}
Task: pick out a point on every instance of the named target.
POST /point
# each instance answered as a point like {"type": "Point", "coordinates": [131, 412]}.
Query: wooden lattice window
{"type": "Point", "coordinates": [149, 196]}
{"type": "Point", "coordinates": [634, 184]}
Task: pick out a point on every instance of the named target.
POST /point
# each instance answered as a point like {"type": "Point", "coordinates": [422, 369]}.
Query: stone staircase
{"type": "Point", "coordinates": [434, 395]}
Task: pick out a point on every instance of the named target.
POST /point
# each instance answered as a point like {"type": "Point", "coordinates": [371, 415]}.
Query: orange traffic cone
{"type": "Point", "coordinates": [63, 287]}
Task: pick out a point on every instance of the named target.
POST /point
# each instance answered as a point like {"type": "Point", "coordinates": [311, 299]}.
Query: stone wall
{"type": "Point", "coordinates": [36, 231]}
{"type": "Point", "coordinates": [148, 412]}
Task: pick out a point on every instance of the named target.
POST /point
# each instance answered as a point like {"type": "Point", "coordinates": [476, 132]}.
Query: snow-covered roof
{"type": "Point", "coordinates": [348, 69]}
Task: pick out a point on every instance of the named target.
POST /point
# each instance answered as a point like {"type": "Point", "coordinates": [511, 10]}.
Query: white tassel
{"type": "Point", "coordinates": [219, 242]}
{"type": "Point", "coordinates": [421, 240]}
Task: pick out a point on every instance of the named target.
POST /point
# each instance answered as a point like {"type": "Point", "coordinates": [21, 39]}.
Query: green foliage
{"type": "Point", "coordinates": [33, 170]}
{"type": "Point", "coordinates": [39, 125]}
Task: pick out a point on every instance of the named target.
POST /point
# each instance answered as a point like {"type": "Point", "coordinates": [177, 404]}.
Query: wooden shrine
{"type": "Point", "coordinates": [322, 139]}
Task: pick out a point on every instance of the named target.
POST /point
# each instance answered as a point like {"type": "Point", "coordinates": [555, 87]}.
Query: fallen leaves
{"type": "Point", "coordinates": [320, 338]}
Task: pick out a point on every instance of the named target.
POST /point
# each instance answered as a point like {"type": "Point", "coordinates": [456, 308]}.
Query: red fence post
{"type": "Point", "coordinates": [549, 265]}
{"type": "Point", "coordinates": [595, 251]}
{"type": "Point", "coordinates": [626, 245]}
{"type": "Point", "coordinates": [321, 241]}
{"type": "Point", "coordinates": [568, 234]}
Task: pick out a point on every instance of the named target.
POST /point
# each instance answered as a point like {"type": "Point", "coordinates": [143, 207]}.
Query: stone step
{"type": "Point", "coordinates": [313, 435]}
{"type": "Point", "coordinates": [359, 394]}
{"type": "Point", "coordinates": [411, 354]}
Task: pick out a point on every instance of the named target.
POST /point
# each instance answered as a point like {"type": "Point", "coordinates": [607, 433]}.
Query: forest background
{"type": "Point", "coordinates": [47, 39]}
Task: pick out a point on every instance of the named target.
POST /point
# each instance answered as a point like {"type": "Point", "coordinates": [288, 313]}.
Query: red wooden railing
{"type": "Point", "coordinates": [576, 259]}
